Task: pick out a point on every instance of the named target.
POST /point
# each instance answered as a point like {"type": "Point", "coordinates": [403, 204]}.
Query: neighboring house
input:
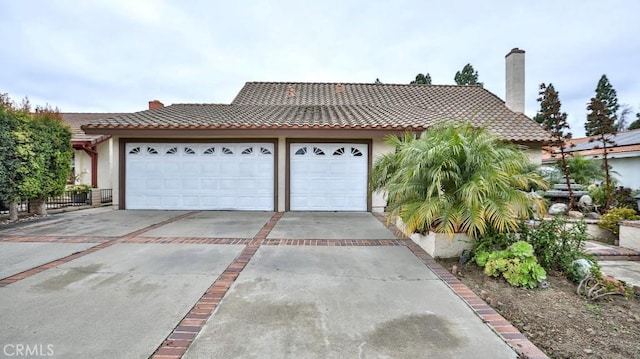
{"type": "Point", "coordinates": [624, 156]}
{"type": "Point", "coordinates": [92, 154]}
{"type": "Point", "coordinates": [292, 146]}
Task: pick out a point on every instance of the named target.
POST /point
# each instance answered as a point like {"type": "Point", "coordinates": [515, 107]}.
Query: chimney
{"type": "Point", "coordinates": [292, 91]}
{"type": "Point", "coordinates": [338, 88]}
{"type": "Point", "coordinates": [155, 104]}
{"type": "Point", "coordinates": [514, 95]}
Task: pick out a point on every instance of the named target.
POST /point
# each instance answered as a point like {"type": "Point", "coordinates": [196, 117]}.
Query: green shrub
{"type": "Point", "coordinates": [516, 264]}
{"type": "Point", "coordinates": [556, 244]}
{"type": "Point", "coordinates": [610, 219]}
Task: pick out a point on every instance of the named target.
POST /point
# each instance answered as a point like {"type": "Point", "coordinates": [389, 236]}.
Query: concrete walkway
{"type": "Point", "coordinates": [237, 284]}
{"type": "Point", "coordinates": [618, 262]}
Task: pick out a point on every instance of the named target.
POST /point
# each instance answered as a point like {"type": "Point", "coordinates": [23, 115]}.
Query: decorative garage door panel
{"type": "Point", "coordinates": [197, 176]}
{"type": "Point", "coordinates": [328, 177]}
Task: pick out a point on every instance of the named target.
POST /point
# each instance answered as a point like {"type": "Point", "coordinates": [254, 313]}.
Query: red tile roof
{"type": "Point", "coordinates": [333, 105]}
{"type": "Point", "coordinates": [77, 119]}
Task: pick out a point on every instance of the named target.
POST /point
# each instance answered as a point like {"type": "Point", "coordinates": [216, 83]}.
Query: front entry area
{"type": "Point", "coordinates": [328, 176]}
{"type": "Point", "coordinates": [200, 176]}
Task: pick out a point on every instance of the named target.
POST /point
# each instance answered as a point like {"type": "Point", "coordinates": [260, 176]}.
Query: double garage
{"type": "Point", "coordinates": [244, 175]}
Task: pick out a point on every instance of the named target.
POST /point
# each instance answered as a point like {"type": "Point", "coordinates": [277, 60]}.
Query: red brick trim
{"type": "Point", "coordinates": [333, 242]}
{"type": "Point", "coordinates": [29, 272]}
{"type": "Point", "coordinates": [510, 334]}
{"type": "Point", "coordinates": [187, 240]}
{"type": "Point", "coordinates": [177, 343]}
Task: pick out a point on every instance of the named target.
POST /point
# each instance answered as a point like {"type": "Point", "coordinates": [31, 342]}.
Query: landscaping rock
{"type": "Point", "coordinates": [575, 214]}
{"type": "Point", "coordinates": [558, 209]}
{"type": "Point", "coordinates": [593, 215]}
{"type": "Point", "coordinates": [585, 203]}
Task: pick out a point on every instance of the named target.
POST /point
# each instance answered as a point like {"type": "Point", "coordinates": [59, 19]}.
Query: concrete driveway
{"type": "Point", "coordinates": [170, 284]}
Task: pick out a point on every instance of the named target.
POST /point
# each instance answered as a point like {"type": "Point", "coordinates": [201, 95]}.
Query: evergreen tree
{"type": "Point", "coordinates": [422, 80]}
{"type": "Point", "coordinates": [556, 123]}
{"type": "Point", "coordinates": [602, 125]}
{"type": "Point", "coordinates": [468, 76]}
{"type": "Point", "coordinates": [609, 98]}
{"type": "Point", "coordinates": [635, 124]}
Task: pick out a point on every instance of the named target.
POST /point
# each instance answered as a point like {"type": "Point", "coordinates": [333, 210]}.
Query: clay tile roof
{"type": "Point", "coordinates": [77, 119]}
{"type": "Point", "coordinates": [340, 105]}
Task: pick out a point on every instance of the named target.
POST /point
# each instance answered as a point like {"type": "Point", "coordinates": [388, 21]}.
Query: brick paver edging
{"type": "Point", "coordinates": [332, 242]}
{"type": "Point", "coordinates": [510, 334]}
{"type": "Point", "coordinates": [177, 343]}
{"type": "Point", "coordinates": [29, 272]}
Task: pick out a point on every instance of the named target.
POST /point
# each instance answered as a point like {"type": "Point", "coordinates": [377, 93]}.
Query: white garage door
{"type": "Point", "coordinates": [328, 177]}
{"type": "Point", "coordinates": [200, 176]}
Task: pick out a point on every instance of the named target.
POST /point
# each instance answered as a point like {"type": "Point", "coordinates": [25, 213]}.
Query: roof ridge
{"type": "Point", "coordinates": [352, 83]}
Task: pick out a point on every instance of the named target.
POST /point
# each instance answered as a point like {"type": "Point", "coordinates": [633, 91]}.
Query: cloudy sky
{"type": "Point", "coordinates": [116, 55]}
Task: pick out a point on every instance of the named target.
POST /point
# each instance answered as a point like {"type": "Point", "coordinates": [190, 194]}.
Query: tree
{"type": "Point", "coordinates": [36, 159]}
{"type": "Point", "coordinates": [422, 79]}
{"type": "Point", "coordinates": [602, 126]}
{"type": "Point", "coordinates": [635, 124]}
{"type": "Point", "coordinates": [468, 76]}
{"type": "Point", "coordinates": [625, 112]}
{"type": "Point", "coordinates": [556, 123]}
{"type": "Point", "coordinates": [456, 179]}
{"type": "Point", "coordinates": [585, 170]}
{"type": "Point", "coordinates": [609, 98]}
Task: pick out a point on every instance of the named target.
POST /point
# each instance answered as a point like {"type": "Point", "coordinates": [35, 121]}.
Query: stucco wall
{"type": "Point", "coordinates": [82, 163]}
{"type": "Point", "coordinates": [628, 171]}
{"type": "Point", "coordinates": [105, 164]}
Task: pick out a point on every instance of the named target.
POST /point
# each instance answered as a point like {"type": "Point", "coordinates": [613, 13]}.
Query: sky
{"type": "Point", "coordinates": [116, 55]}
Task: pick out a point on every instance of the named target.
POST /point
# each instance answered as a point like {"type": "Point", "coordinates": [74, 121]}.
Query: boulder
{"type": "Point", "coordinates": [585, 202]}
{"type": "Point", "coordinates": [557, 209]}
{"type": "Point", "coordinates": [575, 214]}
{"type": "Point", "coordinates": [593, 215]}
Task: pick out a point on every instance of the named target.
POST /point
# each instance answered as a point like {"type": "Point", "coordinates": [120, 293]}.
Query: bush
{"type": "Point", "coordinates": [611, 219]}
{"type": "Point", "coordinates": [555, 243]}
{"type": "Point", "coordinates": [516, 264]}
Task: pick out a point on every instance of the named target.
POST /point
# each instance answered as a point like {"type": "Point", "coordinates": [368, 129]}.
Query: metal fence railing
{"type": "Point", "coordinates": [66, 199]}
{"type": "Point", "coordinates": [106, 195]}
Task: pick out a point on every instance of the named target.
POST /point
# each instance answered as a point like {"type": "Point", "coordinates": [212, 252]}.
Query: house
{"type": "Point", "coordinates": [624, 155]}
{"type": "Point", "coordinates": [290, 146]}
{"type": "Point", "coordinates": [92, 154]}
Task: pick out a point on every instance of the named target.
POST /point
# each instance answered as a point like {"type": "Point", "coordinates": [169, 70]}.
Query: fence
{"type": "Point", "coordinates": [66, 199]}
{"type": "Point", "coordinates": [106, 195]}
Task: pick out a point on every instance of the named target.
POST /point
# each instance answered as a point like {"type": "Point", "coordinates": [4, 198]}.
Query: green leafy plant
{"type": "Point", "coordinates": [456, 179]}
{"type": "Point", "coordinates": [611, 219]}
{"type": "Point", "coordinates": [79, 188]}
{"type": "Point", "coordinates": [516, 264]}
{"type": "Point", "coordinates": [556, 244]}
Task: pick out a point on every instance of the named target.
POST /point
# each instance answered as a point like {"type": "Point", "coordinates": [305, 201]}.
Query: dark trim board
{"type": "Point", "coordinates": [122, 166]}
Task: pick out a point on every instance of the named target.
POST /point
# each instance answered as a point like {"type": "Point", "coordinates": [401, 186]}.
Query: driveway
{"type": "Point", "coordinates": [168, 284]}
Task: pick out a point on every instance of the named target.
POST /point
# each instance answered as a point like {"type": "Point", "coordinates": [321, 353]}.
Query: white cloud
{"type": "Point", "coordinates": [117, 55]}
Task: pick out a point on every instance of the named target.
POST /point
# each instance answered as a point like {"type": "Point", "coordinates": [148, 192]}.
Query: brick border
{"type": "Point", "coordinates": [179, 340]}
{"type": "Point", "coordinates": [41, 268]}
{"type": "Point", "coordinates": [501, 326]}
{"type": "Point", "coordinates": [332, 242]}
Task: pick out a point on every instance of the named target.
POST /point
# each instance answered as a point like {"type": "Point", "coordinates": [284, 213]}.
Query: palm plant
{"type": "Point", "coordinates": [456, 179]}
